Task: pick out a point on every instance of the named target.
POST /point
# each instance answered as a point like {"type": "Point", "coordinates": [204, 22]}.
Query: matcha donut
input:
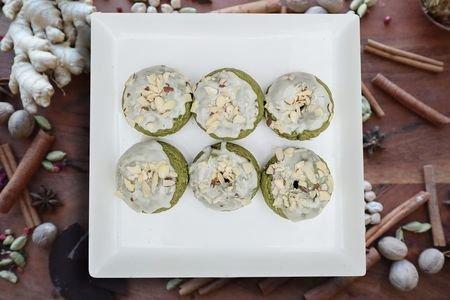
{"type": "Point", "coordinates": [151, 176]}
{"type": "Point", "coordinates": [224, 176]}
{"type": "Point", "coordinates": [296, 184]}
{"type": "Point", "coordinates": [156, 101]}
{"type": "Point", "coordinates": [228, 104]}
{"type": "Point", "coordinates": [298, 106]}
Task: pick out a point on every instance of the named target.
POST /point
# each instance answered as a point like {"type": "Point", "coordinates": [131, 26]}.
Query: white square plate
{"type": "Point", "coordinates": [191, 240]}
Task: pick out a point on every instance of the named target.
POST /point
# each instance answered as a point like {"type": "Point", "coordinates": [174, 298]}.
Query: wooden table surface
{"type": "Point", "coordinates": [397, 170]}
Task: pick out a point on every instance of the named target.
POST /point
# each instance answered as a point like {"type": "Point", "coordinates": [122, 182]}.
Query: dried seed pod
{"type": "Point", "coordinates": [139, 7]}
{"type": "Point", "coordinates": [362, 9]}
{"type": "Point", "coordinates": [21, 124]}
{"type": "Point", "coordinates": [370, 3]}
{"type": "Point", "coordinates": [5, 262]}
{"type": "Point", "coordinates": [6, 110]}
{"type": "Point", "coordinates": [392, 248]}
{"type": "Point", "coordinates": [375, 218]}
{"type": "Point", "coordinates": [367, 219]}
{"type": "Point", "coordinates": [431, 261]}
{"type": "Point", "coordinates": [403, 275]}
{"type": "Point", "coordinates": [417, 227]}
{"type": "Point", "coordinates": [43, 122]}
{"type": "Point", "coordinates": [18, 258]}
{"type": "Point", "coordinates": [166, 8]}
{"type": "Point", "coordinates": [8, 240]}
{"type": "Point", "coordinates": [316, 10]}
{"type": "Point", "coordinates": [173, 283]}
{"type": "Point", "coordinates": [367, 186]}
{"type": "Point", "coordinates": [56, 155]}
{"type": "Point", "coordinates": [355, 4]}
{"type": "Point", "coordinates": [370, 195]}
{"type": "Point", "coordinates": [188, 10]}
{"type": "Point", "coordinates": [8, 275]}
{"type": "Point", "coordinates": [18, 243]}
{"type": "Point", "coordinates": [154, 3]}
{"type": "Point", "coordinates": [44, 234]}
{"type": "Point", "coordinates": [176, 4]}
{"type": "Point", "coordinates": [374, 207]}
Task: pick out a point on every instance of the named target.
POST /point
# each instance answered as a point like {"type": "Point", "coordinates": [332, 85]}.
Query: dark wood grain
{"type": "Point", "coordinates": [397, 170]}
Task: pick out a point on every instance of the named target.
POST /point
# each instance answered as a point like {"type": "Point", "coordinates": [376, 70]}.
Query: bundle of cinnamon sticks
{"type": "Point", "coordinates": [404, 57]}
{"type": "Point", "coordinates": [20, 175]}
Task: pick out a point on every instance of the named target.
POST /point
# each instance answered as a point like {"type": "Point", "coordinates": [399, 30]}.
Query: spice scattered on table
{"type": "Point", "coordinates": [44, 234]}
{"type": "Point", "coordinates": [12, 255]}
{"type": "Point", "coordinates": [373, 208]}
{"type": "Point", "coordinates": [431, 261]}
{"type": "Point", "coordinates": [373, 140]}
{"type": "Point", "coordinates": [403, 275]}
{"type": "Point", "coordinates": [46, 199]}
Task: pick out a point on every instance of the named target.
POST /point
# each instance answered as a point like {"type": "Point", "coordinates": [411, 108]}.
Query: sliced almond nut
{"type": "Point", "coordinates": [134, 169]}
{"type": "Point", "coordinates": [163, 171]}
{"type": "Point", "coordinates": [168, 182]}
{"type": "Point", "coordinates": [294, 116]}
{"type": "Point", "coordinates": [324, 196]}
{"type": "Point", "coordinates": [279, 183]}
{"type": "Point", "coordinates": [239, 119]}
{"type": "Point", "coordinates": [129, 185]}
{"type": "Point", "coordinates": [146, 189]}
{"type": "Point", "coordinates": [270, 170]}
{"type": "Point", "coordinates": [221, 100]}
{"type": "Point", "coordinates": [289, 152]}
{"type": "Point", "coordinates": [279, 154]}
{"type": "Point", "coordinates": [248, 167]}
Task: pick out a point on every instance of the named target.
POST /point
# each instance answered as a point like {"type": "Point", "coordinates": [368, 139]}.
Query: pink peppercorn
{"type": "Point", "coordinates": [119, 9]}
{"type": "Point", "coordinates": [387, 20]}
{"type": "Point", "coordinates": [2, 236]}
{"type": "Point", "coordinates": [26, 230]}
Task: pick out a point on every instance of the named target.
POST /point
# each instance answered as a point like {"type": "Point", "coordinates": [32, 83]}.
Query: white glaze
{"type": "Point", "coordinates": [139, 155]}
{"type": "Point", "coordinates": [141, 112]}
{"type": "Point", "coordinates": [308, 170]}
{"type": "Point", "coordinates": [229, 85]}
{"type": "Point", "coordinates": [223, 196]}
{"type": "Point", "coordinates": [311, 117]}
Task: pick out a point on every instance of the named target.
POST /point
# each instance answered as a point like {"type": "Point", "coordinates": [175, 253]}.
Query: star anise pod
{"type": "Point", "coordinates": [372, 140]}
{"type": "Point", "coordinates": [45, 199]}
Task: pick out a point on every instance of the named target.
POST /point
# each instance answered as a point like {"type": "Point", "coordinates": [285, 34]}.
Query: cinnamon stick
{"type": "Point", "coordinates": [395, 216]}
{"type": "Point", "coordinates": [373, 102]}
{"type": "Point", "coordinates": [215, 285]}
{"type": "Point", "coordinates": [30, 163]}
{"type": "Point", "coordinates": [409, 101]}
{"type": "Point", "coordinates": [29, 213]}
{"type": "Point", "coordinates": [404, 53]}
{"type": "Point", "coordinates": [437, 229]}
{"type": "Point", "coordinates": [192, 285]}
{"type": "Point", "coordinates": [268, 285]}
{"type": "Point", "coordinates": [404, 60]}
{"type": "Point", "coordinates": [262, 6]}
{"type": "Point", "coordinates": [332, 287]}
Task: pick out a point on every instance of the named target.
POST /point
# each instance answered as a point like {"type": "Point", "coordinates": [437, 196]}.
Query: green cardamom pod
{"type": "Point", "coordinates": [417, 227]}
{"type": "Point", "coordinates": [43, 122]}
{"type": "Point", "coordinates": [17, 258]}
{"type": "Point", "coordinates": [399, 234]}
{"type": "Point", "coordinates": [49, 166]}
{"type": "Point", "coordinates": [173, 283]}
{"type": "Point", "coordinates": [5, 262]}
{"type": "Point", "coordinates": [362, 9]}
{"type": "Point", "coordinates": [18, 243]}
{"type": "Point", "coordinates": [355, 4]}
{"type": "Point", "coordinates": [8, 275]}
{"type": "Point", "coordinates": [56, 155]}
{"type": "Point", "coordinates": [8, 240]}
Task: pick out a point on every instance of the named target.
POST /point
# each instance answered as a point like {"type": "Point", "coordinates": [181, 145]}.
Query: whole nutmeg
{"type": "Point", "coordinates": [403, 275]}
{"type": "Point", "coordinates": [374, 207]}
{"type": "Point", "coordinates": [21, 124]}
{"type": "Point", "coordinates": [392, 248]}
{"type": "Point", "coordinates": [6, 109]}
{"type": "Point", "coordinates": [431, 261]}
{"type": "Point", "coordinates": [367, 186]}
{"type": "Point", "coordinates": [44, 234]}
{"type": "Point", "coordinates": [316, 10]}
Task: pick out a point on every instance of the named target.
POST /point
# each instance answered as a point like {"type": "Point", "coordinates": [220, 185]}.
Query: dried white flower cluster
{"type": "Point", "coordinates": [49, 38]}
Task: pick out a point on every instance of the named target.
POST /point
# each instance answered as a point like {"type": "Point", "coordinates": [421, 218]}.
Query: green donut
{"type": "Point", "coordinates": [260, 100]}
{"type": "Point", "coordinates": [305, 134]}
